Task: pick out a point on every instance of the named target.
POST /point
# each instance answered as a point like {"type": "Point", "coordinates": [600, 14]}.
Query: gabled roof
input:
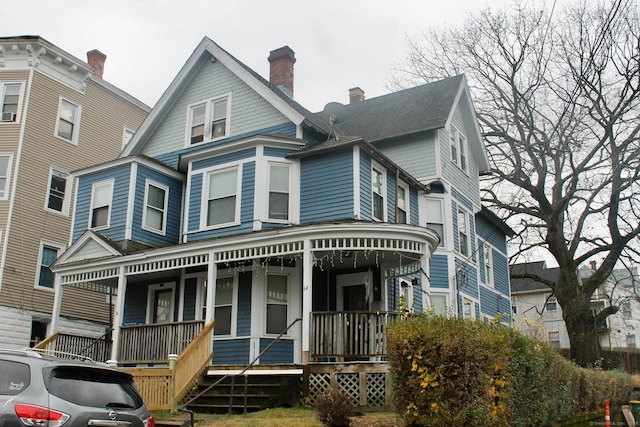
{"type": "Point", "coordinates": [407, 112]}
{"type": "Point", "coordinates": [538, 268]}
{"type": "Point", "coordinates": [209, 51]}
{"type": "Point", "coordinates": [90, 246]}
{"type": "Point", "coordinates": [342, 142]}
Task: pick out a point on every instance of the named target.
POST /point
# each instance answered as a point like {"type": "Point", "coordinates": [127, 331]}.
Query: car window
{"type": "Point", "coordinates": [93, 387]}
{"type": "Point", "coordinates": [14, 377]}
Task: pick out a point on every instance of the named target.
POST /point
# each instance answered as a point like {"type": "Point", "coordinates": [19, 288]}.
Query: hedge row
{"type": "Point", "coordinates": [466, 373]}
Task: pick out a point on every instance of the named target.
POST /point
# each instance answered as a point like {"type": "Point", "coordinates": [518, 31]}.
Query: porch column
{"type": "Point", "coordinates": [118, 312]}
{"type": "Point", "coordinates": [307, 276]}
{"type": "Point", "coordinates": [57, 304]}
{"type": "Point", "coordinates": [424, 279]}
{"type": "Point", "coordinates": [212, 275]}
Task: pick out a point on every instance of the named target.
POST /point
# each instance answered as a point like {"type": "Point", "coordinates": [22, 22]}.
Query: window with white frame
{"type": "Point", "coordinates": [277, 303]}
{"type": "Point", "coordinates": [58, 195]}
{"type": "Point", "coordinates": [438, 304]}
{"type": "Point", "coordinates": [223, 305]}
{"type": "Point", "coordinates": [468, 309]}
{"type": "Point", "coordinates": [222, 197]}
{"type": "Point", "coordinates": [488, 264]}
{"type": "Point", "coordinates": [11, 93]}
{"type": "Point", "coordinates": [101, 195]}
{"type": "Point", "coordinates": [551, 304]}
{"type": "Point", "coordinates": [402, 203]}
{"type": "Point", "coordinates": [154, 217]}
{"type": "Point", "coordinates": [68, 121]}
{"type": "Point", "coordinates": [554, 339]}
{"type": "Point", "coordinates": [378, 183]}
{"type": "Point", "coordinates": [48, 254]}
{"type": "Point", "coordinates": [279, 191]}
{"type": "Point", "coordinates": [209, 120]}
{"type": "Point", "coordinates": [463, 231]}
{"type": "Point", "coordinates": [5, 175]}
{"type": "Point", "coordinates": [458, 144]}
{"type": "Point", "coordinates": [435, 218]}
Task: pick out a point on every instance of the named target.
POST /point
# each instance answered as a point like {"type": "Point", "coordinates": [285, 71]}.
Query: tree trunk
{"type": "Point", "coordinates": [583, 334]}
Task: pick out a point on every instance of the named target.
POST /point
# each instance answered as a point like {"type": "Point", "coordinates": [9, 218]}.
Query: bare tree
{"type": "Point", "coordinates": [557, 97]}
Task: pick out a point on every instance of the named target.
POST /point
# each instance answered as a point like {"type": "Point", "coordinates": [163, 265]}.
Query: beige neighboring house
{"type": "Point", "coordinates": [57, 115]}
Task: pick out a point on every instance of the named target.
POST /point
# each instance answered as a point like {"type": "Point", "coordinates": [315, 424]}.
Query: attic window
{"type": "Point", "coordinates": [458, 149]}
{"type": "Point", "coordinates": [208, 120]}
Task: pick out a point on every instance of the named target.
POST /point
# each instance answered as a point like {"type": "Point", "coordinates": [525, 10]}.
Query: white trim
{"type": "Point", "coordinates": [357, 213]}
{"type": "Point", "coordinates": [383, 191]}
{"type": "Point", "coordinates": [59, 247]}
{"type": "Point", "coordinates": [94, 186]}
{"type": "Point", "coordinates": [76, 121]}
{"type": "Point", "coordinates": [9, 157]}
{"type": "Point", "coordinates": [407, 201]}
{"type": "Point", "coordinates": [127, 135]}
{"type": "Point", "coordinates": [18, 115]}
{"type": "Point", "coordinates": [287, 275]}
{"type": "Point", "coordinates": [204, 207]}
{"type": "Point", "coordinates": [67, 192]}
{"type": "Point", "coordinates": [148, 183]}
{"type": "Point", "coordinates": [234, 304]}
{"type": "Point", "coordinates": [131, 201]}
{"type": "Point", "coordinates": [291, 191]}
{"type": "Point", "coordinates": [151, 290]}
{"type": "Point", "coordinates": [209, 104]}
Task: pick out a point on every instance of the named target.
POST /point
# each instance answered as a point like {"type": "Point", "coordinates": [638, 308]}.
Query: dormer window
{"type": "Point", "coordinates": [208, 120]}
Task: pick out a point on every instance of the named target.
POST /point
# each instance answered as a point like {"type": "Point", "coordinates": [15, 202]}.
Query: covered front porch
{"type": "Point", "coordinates": [322, 293]}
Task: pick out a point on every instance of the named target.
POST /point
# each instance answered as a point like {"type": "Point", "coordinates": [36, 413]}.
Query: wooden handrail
{"type": "Point", "coordinates": [46, 343]}
{"type": "Point", "coordinates": [192, 360]}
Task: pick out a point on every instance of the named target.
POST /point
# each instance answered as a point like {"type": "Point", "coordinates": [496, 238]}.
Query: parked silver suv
{"type": "Point", "coordinates": [38, 390]}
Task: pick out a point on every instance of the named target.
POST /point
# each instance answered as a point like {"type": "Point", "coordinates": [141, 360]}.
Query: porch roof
{"type": "Point", "coordinates": [399, 243]}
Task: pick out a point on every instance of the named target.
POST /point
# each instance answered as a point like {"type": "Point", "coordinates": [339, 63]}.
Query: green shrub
{"type": "Point", "coordinates": [458, 372]}
{"type": "Point", "coordinates": [335, 408]}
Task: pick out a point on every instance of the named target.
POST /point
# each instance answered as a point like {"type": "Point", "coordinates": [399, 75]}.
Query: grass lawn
{"type": "Point", "coordinates": [298, 417]}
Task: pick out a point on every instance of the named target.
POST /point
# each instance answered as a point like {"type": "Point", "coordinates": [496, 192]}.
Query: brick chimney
{"type": "Point", "coordinates": [96, 59]}
{"type": "Point", "coordinates": [281, 70]}
{"type": "Point", "coordinates": [355, 95]}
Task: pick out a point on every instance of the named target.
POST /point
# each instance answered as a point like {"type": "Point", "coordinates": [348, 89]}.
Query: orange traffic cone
{"type": "Point", "coordinates": [607, 415]}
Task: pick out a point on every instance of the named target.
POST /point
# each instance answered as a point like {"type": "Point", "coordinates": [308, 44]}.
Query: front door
{"type": "Point", "coordinates": [353, 300]}
{"type": "Point", "coordinates": [162, 299]}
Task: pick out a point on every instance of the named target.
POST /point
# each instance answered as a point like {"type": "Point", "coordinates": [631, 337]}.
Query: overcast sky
{"type": "Point", "coordinates": [339, 44]}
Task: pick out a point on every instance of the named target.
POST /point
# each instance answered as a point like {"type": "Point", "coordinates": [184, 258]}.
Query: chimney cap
{"type": "Point", "coordinates": [284, 52]}
{"type": "Point", "coordinates": [356, 94]}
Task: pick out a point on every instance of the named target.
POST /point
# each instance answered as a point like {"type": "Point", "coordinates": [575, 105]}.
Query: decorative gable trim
{"type": "Point", "coordinates": [89, 246]}
{"type": "Point", "coordinates": [207, 51]}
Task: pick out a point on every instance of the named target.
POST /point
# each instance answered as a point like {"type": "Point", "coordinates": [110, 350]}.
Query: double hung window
{"type": "Point", "coordinates": [5, 171]}
{"type": "Point", "coordinates": [48, 254]}
{"type": "Point", "coordinates": [458, 148]}
{"type": "Point", "coordinates": [463, 231]}
{"type": "Point", "coordinates": [68, 121]}
{"type": "Point", "coordinates": [488, 264]}
{"type": "Point", "coordinates": [279, 192]}
{"type": "Point", "coordinates": [58, 198]}
{"type": "Point", "coordinates": [402, 201]}
{"type": "Point", "coordinates": [435, 219]}
{"type": "Point", "coordinates": [277, 303]}
{"type": "Point", "coordinates": [101, 204]}
{"type": "Point", "coordinates": [222, 197]}
{"type": "Point", "coordinates": [208, 120]}
{"type": "Point", "coordinates": [10, 101]}
{"type": "Point", "coordinates": [155, 207]}
{"type": "Point", "coordinates": [223, 306]}
{"type": "Point", "coordinates": [378, 189]}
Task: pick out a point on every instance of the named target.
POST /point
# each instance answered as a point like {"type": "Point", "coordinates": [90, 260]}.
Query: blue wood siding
{"type": "Point", "coordinates": [391, 196]}
{"type": "Point", "coordinates": [280, 352]}
{"type": "Point", "coordinates": [135, 307]}
{"type": "Point", "coordinates": [231, 352]}
{"type": "Point", "coordinates": [276, 152]}
{"type": "Point", "coordinates": [492, 303]}
{"type": "Point", "coordinates": [501, 273]}
{"type": "Point", "coordinates": [414, 211]}
{"type": "Point", "coordinates": [246, 206]}
{"type": "Point", "coordinates": [234, 157]}
{"type": "Point", "coordinates": [117, 223]}
{"type": "Point", "coordinates": [489, 232]}
{"type": "Point", "coordinates": [174, 208]}
{"type": "Point", "coordinates": [439, 271]}
{"type": "Point", "coordinates": [243, 325]}
{"type": "Point", "coordinates": [326, 187]}
{"type": "Point", "coordinates": [466, 278]}
{"type": "Point", "coordinates": [189, 308]}
{"type": "Point", "coordinates": [366, 191]}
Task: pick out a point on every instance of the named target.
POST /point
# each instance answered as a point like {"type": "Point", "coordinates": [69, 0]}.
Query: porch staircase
{"type": "Point", "coordinates": [234, 390]}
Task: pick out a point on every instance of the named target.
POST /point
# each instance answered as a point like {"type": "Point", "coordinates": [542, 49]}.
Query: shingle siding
{"type": "Point", "coordinates": [249, 111]}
